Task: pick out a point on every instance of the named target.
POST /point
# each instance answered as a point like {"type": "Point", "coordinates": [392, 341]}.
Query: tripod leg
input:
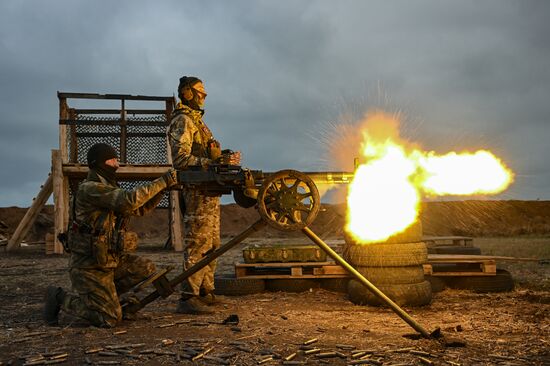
{"type": "Point", "coordinates": [133, 308]}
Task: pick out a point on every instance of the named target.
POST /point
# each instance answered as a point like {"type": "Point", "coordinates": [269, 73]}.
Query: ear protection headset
{"type": "Point", "coordinates": [184, 87]}
{"type": "Point", "coordinates": [187, 93]}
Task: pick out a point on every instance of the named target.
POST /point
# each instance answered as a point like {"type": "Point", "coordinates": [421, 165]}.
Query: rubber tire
{"type": "Point", "coordinates": [392, 275]}
{"type": "Point", "coordinates": [412, 234]}
{"type": "Point", "coordinates": [231, 286]}
{"type": "Point", "coordinates": [335, 284]}
{"type": "Point", "coordinates": [500, 282]}
{"type": "Point", "coordinates": [415, 294]}
{"type": "Point", "coordinates": [454, 249]}
{"type": "Point", "coordinates": [291, 285]}
{"type": "Point", "coordinates": [438, 284]}
{"type": "Point", "coordinates": [386, 255]}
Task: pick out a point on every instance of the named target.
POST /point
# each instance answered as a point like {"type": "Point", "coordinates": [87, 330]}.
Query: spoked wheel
{"type": "Point", "coordinates": [288, 200]}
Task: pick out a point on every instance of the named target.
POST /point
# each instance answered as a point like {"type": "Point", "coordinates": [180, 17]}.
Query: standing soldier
{"type": "Point", "coordinates": [193, 146]}
{"type": "Point", "coordinates": [100, 270]}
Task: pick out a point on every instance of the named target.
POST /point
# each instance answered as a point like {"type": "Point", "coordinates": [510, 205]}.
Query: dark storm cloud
{"type": "Point", "coordinates": [466, 74]}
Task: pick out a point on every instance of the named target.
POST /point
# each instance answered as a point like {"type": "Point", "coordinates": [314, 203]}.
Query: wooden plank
{"type": "Point", "coordinates": [290, 270]}
{"type": "Point", "coordinates": [58, 199]}
{"type": "Point", "coordinates": [176, 229]}
{"type": "Point", "coordinates": [117, 111]}
{"type": "Point", "coordinates": [463, 258]}
{"type": "Point", "coordinates": [282, 276]}
{"type": "Point", "coordinates": [123, 141]}
{"type": "Point", "coordinates": [489, 267]}
{"type": "Point", "coordinates": [448, 240]}
{"type": "Point", "coordinates": [117, 134]}
{"type": "Point", "coordinates": [110, 96]}
{"type": "Point", "coordinates": [330, 270]}
{"type": "Point", "coordinates": [460, 274]}
{"type": "Point", "coordinates": [175, 214]}
{"type": "Point", "coordinates": [30, 216]}
{"type": "Point", "coordinates": [73, 141]}
{"type": "Point", "coordinates": [486, 267]}
{"type": "Point", "coordinates": [240, 272]}
{"type": "Point", "coordinates": [108, 122]}
{"type": "Point", "coordinates": [284, 265]}
{"type": "Point", "coordinates": [428, 270]}
{"type": "Point", "coordinates": [448, 237]}
{"type": "Point", "coordinates": [63, 114]}
{"type": "Point", "coordinates": [125, 172]}
{"type": "Point", "coordinates": [49, 240]}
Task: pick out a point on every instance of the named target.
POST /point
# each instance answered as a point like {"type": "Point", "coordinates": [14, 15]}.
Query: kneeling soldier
{"type": "Point", "coordinates": [99, 268]}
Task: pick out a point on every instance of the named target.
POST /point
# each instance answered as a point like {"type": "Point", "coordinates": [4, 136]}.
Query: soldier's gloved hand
{"type": "Point", "coordinates": [171, 178]}
{"type": "Point", "coordinates": [215, 149]}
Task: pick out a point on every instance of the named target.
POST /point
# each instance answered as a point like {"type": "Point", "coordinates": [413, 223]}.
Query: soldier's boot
{"type": "Point", "coordinates": [210, 299]}
{"type": "Point", "coordinates": [52, 305]}
{"type": "Point", "coordinates": [192, 306]}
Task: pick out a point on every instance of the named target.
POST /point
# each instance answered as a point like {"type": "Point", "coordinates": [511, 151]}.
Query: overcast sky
{"type": "Point", "coordinates": [465, 74]}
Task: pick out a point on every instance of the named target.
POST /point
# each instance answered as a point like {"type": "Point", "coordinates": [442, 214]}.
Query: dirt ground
{"type": "Point", "coordinates": [510, 328]}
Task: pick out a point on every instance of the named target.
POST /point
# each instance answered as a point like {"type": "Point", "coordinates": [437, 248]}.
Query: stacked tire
{"type": "Point", "coordinates": [393, 266]}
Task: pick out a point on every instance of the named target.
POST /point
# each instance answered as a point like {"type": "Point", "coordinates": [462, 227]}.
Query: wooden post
{"type": "Point", "coordinates": [30, 216]}
{"type": "Point", "coordinates": [60, 199]}
{"type": "Point", "coordinates": [176, 230]}
{"type": "Point", "coordinates": [73, 140]}
{"type": "Point", "coordinates": [123, 143]}
{"type": "Point", "coordinates": [63, 115]}
{"type": "Point", "coordinates": [174, 216]}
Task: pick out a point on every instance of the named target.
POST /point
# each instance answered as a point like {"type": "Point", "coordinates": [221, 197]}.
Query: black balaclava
{"type": "Point", "coordinates": [187, 82]}
{"type": "Point", "coordinates": [97, 156]}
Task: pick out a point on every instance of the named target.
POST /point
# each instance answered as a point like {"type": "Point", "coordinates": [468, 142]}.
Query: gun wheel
{"type": "Point", "coordinates": [288, 200]}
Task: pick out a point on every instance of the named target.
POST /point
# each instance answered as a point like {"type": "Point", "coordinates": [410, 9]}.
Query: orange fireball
{"type": "Point", "coordinates": [384, 197]}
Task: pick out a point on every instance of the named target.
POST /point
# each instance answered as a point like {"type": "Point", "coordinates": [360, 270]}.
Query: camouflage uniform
{"type": "Point", "coordinates": [99, 268]}
{"type": "Point", "coordinates": [189, 141]}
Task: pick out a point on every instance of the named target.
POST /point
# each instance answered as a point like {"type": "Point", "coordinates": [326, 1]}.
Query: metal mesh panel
{"type": "Point", "coordinates": [143, 149]}
{"type": "Point", "coordinates": [145, 138]}
{"type": "Point", "coordinates": [90, 134]}
{"type": "Point", "coordinates": [145, 142]}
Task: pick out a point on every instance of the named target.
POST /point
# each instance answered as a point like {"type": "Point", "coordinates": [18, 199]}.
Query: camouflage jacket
{"type": "Point", "coordinates": [99, 212]}
{"type": "Point", "coordinates": [189, 136]}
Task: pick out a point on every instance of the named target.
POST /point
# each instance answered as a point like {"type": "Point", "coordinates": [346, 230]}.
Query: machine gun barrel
{"type": "Point", "coordinates": [244, 184]}
{"type": "Point", "coordinates": [329, 177]}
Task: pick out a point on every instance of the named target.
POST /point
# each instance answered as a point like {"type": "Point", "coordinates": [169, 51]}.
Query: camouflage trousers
{"type": "Point", "coordinates": [202, 234]}
{"type": "Point", "coordinates": [98, 289]}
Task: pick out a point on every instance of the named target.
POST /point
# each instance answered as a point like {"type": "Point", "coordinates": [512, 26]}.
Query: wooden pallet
{"type": "Point", "coordinates": [460, 265]}
{"type": "Point", "coordinates": [433, 241]}
{"type": "Point", "coordinates": [290, 270]}
{"type": "Point", "coordinates": [438, 265]}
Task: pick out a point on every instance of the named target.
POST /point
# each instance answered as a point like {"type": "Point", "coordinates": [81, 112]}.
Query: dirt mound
{"type": "Point", "coordinates": [486, 218]}
{"type": "Point", "coordinates": [470, 218]}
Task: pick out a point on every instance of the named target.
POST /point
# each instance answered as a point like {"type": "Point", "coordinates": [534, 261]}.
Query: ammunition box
{"type": "Point", "coordinates": [279, 253]}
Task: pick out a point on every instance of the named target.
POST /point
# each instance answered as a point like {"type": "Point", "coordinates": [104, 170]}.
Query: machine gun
{"type": "Point", "coordinates": [245, 184]}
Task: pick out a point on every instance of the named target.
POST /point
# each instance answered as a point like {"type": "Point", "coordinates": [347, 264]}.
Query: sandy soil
{"type": "Point", "coordinates": [494, 329]}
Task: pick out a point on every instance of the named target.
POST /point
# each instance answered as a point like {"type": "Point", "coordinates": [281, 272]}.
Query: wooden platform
{"type": "Point", "coordinates": [460, 265]}
{"type": "Point", "coordinates": [464, 241]}
{"type": "Point", "coordinates": [438, 265]}
{"type": "Point", "coordinates": [290, 270]}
